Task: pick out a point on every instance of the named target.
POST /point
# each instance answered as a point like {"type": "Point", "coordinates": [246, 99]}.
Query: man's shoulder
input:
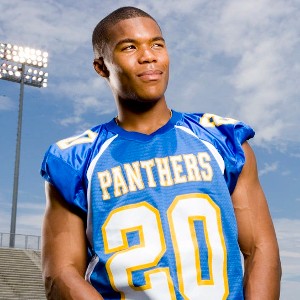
{"type": "Point", "coordinates": [206, 125]}
{"type": "Point", "coordinates": [226, 135]}
{"type": "Point", "coordinates": [80, 146]}
{"type": "Point", "coordinates": [221, 132]}
{"type": "Point", "coordinates": [209, 120]}
{"type": "Point", "coordinates": [86, 138]}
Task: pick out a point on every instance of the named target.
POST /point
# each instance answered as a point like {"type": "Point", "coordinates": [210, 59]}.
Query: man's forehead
{"type": "Point", "coordinates": [134, 28]}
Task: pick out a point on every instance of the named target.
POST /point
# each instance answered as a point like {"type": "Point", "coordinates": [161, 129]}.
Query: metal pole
{"type": "Point", "coordinates": [17, 164]}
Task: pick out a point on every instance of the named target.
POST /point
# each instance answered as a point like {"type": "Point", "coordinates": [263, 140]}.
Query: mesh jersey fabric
{"type": "Point", "coordinates": [160, 220]}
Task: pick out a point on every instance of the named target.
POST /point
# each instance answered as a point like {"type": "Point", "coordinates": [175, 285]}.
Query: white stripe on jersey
{"type": "Point", "coordinates": [89, 174]}
{"type": "Point", "coordinates": [210, 147]}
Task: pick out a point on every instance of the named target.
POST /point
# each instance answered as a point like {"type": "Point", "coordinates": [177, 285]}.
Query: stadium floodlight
{"type": "Point", "coordinates": [19, 58]}
{"type": "Point", "coordinates": [22, 65]}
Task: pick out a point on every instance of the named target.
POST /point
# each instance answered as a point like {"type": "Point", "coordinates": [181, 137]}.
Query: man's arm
{"type": "Point", "coordinates": [257, 237]}
{"type": "Point", "coordinates": [64, 251]}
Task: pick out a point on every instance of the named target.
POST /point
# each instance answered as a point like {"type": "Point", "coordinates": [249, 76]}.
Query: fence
{"type": "Point", "coordinates": [22, 241]}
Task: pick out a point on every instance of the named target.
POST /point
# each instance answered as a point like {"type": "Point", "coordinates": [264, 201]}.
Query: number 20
{"type": "Point", "coordinates": [144, 218]}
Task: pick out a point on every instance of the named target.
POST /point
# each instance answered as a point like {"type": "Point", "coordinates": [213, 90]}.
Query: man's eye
{"type": "Point", "coordinates": [129, 47]}
{"type": "Point", "coordinates": [158, 45]}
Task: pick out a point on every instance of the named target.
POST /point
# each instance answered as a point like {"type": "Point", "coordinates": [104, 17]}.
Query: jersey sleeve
{"type": "Point", "coordinates": [64, 166]}
{"type": "Point", "coordinates": [230, 146]}
{"type": "Point", "coordinates": [227, 136]}
{"type": "Point", "coordinates": [65, 178]}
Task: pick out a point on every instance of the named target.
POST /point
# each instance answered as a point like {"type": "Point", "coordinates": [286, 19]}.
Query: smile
{"type": "Point", "coordinates": [150, 75]}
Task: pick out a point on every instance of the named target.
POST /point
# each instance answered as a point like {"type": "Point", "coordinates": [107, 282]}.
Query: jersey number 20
{"type": "Point", "coordinates": [182, 214]}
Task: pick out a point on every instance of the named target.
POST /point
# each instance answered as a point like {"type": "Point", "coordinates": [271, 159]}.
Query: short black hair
{"type": "Point", "coordinates": [101, 32]}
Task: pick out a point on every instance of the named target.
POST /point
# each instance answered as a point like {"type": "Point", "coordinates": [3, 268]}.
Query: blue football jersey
{"type": "Point", "coordinates": [160, 220]}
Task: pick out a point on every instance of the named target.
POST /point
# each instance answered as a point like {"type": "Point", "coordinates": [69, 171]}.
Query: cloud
{"type": "Point", "coordinates": [45, 24]}
{"type": "Point", "coordinates": [90, 97]}
{"type": "Point", "coordinates": [30, 217]}
{"type": "Point", "coordinates": [6, 103]}
{"type": "Point", "coordinates": [4, 221]}
{"type": "Point", "coordinates": [286, 173]}
{"type": "Point", "coordinates": [288, 237]}
{"type": "Point", "coordinates": [265, 77]}
{"type": "Point", "coordinates": [4, 213]}
{"type": "Point", "coordinates": [228, 57]}
{"type": "Point", "coordinates": [30, 223]}
{"type": "Point", "coordinates": [31, 206]}
{"type": "Point", "coordinates": [297, 155]}
{"type": "Point", "coordinates": [252, 52]}
{"type": "Point", "coordinates": [268, 168]}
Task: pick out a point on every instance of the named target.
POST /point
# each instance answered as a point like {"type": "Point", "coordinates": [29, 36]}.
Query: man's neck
{"type": "Point", "coordinates": [144, 121]}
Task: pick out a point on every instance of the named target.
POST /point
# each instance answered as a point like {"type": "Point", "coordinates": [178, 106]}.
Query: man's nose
{"type": "Point", "coordinates": [147, 55]}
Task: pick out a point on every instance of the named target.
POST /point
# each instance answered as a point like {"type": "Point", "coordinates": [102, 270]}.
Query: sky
{"type": "Point", "coordinates": [233, 58]}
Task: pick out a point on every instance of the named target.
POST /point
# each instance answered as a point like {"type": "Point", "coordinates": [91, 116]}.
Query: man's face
{"type": "Point", "coordinates": [137, 60]}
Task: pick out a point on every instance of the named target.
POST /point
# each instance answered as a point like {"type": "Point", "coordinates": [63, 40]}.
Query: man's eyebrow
{"type": "Point", "coordinates": [158, 38]}
{"type": "Point", "coordinates": [129, 40]}
{"type": "Point", "coordinates": [124, 41]}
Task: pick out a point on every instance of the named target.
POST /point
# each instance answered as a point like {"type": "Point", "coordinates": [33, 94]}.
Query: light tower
{"type": "Point", "coordinates": [25, 66]}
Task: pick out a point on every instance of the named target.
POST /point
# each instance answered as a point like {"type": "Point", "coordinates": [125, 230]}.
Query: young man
{"type": "Point", "coordinates": [154, 204]}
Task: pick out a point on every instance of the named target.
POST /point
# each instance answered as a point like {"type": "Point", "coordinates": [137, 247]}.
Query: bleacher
{"type": "Point", "coordinates": [20, 275]}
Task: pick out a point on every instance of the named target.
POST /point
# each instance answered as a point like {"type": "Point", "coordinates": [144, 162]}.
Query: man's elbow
{"type": "Point", "coordinates": [278, 267]}
{"type": "Point", "coordinates": [272, 249]}
{"type": "Point", "coordinates": [60, 284]}
{"type": "Point", "coordinates": [51, 287]}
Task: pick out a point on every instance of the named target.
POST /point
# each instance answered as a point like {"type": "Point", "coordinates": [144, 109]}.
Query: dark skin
{"type": "Point", "coordinates": [136, 66]}
{"type": "Point", "coordinates": [137, 70]}
{"type": "Point", "coordinates": [64, 252]}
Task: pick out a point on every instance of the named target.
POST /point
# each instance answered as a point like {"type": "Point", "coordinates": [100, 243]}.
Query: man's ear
{"type": "Point", "coordinates": [100, 67]}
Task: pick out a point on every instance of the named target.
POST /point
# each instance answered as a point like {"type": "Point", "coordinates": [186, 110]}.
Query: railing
{"type": "Point", "coordinates": [22, 241]}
